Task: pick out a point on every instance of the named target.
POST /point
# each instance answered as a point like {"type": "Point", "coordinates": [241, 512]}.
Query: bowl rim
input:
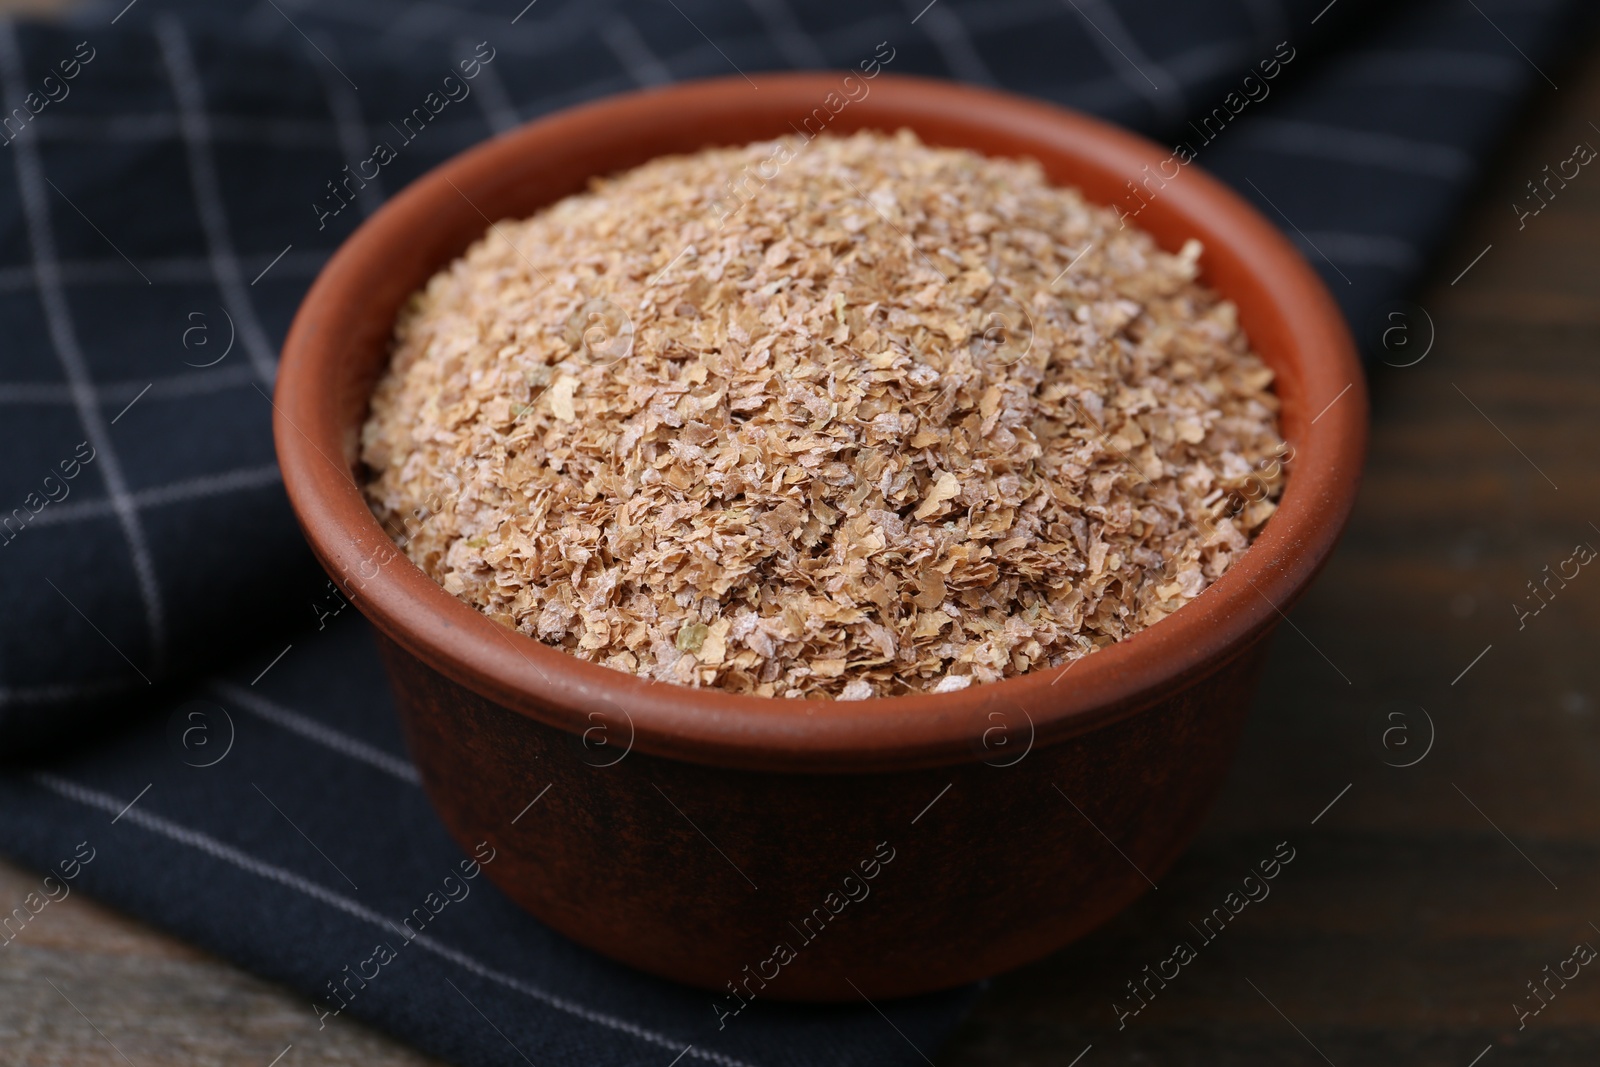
{"type": "Point", "coordinates": [711, 726]}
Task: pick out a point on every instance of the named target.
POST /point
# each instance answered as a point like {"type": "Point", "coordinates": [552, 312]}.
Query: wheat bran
{"type": "Point", "coordinates": [906, 419]}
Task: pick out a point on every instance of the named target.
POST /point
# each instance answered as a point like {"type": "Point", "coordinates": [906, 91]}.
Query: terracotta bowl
{"type": "Point", "coordinates": [804, 849]}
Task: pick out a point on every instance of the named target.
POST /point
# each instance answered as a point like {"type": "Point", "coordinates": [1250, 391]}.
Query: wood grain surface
{"type": "Point", "coordinates": [1417, 906]}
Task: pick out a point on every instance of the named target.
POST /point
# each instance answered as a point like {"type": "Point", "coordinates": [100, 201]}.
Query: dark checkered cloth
{"type": "Point", "coordinates": [167, 638]}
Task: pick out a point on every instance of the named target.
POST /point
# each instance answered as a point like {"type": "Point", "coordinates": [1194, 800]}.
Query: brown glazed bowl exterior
{"type": "Point", "coordinates": [801, 849]}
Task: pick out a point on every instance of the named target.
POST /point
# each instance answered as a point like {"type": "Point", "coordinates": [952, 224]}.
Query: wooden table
{"type": "Point", "coordinates": [1417, 905]}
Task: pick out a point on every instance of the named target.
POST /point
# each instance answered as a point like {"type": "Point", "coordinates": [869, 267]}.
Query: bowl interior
{"type": "Point", "coordinates": [339, 342]}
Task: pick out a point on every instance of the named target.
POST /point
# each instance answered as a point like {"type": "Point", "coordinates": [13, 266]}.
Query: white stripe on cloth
{"type": "Point", "coordinates": [944, 28]}
{"type": "Point", "coordinates": [410, 22]}
{"type": "Point", "coordinates": [1438, 67]}
{"type": "Point", "coordinates": [351, 126]}
{"type": "Point", "coordinates": [174, 270]}
{"type": "Point", "coordinates": [493, 100]}
{"type": "Point", "coordinates": [208, 195]}
{"type": "Point", "coordinates": [1271, 24]}
{"type": "Point", "coordinates": [162, 495]}
{"type": "Point", "coordinates": [218, 850]}
{"type": "Point", "coordinates": [1121, 51]}
{"type": "Point", "coordinates": [630, 49]}
{"type": "Point", "coordinates": [312, 730]}
{"type": "Point", "coordinates": [260, 131]}
{"type": "Point", "coordinates": [64, 339]}
{"type": "Point", "coordinates": [1361, 148]}
{"type": "Point", "coordinates": [1209, 61]}
{"type": "Point", "coordinates": [194, 383]}
{"type": "Point", "coordinates": [1196, 65]}
{"type": "Point", "coordinates": [1365, 249]}
{"type": "Point", "coordinates": [423, 22]}
{"type": "Point", "coordinates": [786, 32]}
{"type": "Point", "coordinates": [63, 692]}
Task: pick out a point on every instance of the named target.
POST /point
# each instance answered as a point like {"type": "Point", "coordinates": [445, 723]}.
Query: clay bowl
{"type": "Point", "coordinates": [802, 849]}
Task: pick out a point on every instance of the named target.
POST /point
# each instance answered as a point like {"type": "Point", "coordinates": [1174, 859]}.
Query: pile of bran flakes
{"type": "Point", "coordinates": [905, 419]}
